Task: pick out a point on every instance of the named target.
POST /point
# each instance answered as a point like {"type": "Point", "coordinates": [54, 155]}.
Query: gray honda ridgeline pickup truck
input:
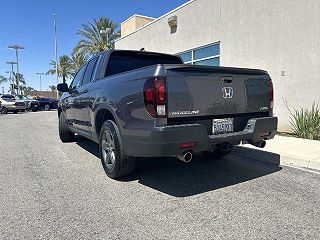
{"type": "Point", "coordinates": [146, 104]}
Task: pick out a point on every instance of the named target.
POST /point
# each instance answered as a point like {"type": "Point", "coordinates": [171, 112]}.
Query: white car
{"type": "Point", "coordinates": [11, 105]}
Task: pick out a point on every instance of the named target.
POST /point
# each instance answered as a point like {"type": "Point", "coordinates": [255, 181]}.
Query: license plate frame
{"type": "Point", "coordinates": [222, 126]}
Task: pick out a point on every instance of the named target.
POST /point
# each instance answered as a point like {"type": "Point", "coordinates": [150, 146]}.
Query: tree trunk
{"type": "Point", "coordinates": [64, 79]}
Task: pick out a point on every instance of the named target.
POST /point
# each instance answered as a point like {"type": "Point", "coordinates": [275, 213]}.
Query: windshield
{"type": "Point", "coordinates": [8, 98]}
{"type": "Point", "coordinates": [21, 97]}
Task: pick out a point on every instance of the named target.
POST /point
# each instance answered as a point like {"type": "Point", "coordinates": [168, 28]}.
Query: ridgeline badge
{"type": "Point", "coordinates": [194, 112]}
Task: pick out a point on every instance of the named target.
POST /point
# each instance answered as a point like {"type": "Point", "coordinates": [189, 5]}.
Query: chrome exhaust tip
{"type": "Point", "coordinates": [260, 144]}
{"type": "Point", "coordinates": [186, 157]}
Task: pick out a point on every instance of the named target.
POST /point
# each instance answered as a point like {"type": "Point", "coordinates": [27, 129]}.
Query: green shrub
{"type": "Point", "coordinates": [306, 122]}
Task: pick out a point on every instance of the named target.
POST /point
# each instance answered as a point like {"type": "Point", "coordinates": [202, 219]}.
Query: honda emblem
{"type": "Point", "coordinates": [227, 92]}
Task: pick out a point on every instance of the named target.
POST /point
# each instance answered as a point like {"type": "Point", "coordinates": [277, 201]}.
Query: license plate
{"type": "Point", "coordinates": [222, 126]}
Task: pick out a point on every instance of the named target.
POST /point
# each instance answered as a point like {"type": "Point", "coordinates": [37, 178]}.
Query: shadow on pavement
{"type": "Point", "coordinates": [179, 179]}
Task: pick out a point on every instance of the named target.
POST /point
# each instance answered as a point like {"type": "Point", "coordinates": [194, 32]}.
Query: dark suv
{"type": "Point", "coordinates": [48, 103]}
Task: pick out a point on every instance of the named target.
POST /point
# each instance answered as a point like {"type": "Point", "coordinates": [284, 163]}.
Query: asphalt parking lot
{"type": "Point", "coordinates": [51, 190]}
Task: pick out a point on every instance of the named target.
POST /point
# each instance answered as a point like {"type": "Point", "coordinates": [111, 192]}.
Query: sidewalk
{"type": "Point", "coordinates": [290, 151]}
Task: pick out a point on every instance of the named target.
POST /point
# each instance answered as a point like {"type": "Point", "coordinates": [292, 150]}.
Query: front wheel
{"type": "Point", "coordinates": [114, 160]}
{"type": "Point", "coordinates": [64, 133]}
{"type": "Point", "coordinates": [4, 110]}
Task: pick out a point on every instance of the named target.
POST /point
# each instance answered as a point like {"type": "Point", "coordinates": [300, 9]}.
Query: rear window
{"type": "Point", "coordinates": [8, 97]}
{"type": "Point", "coordinates": [122, 61]}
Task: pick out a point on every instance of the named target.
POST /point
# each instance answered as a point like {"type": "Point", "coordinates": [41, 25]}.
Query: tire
{"type": "Point", "coordinates": [64, 133]}
{"type": "Point", "coordinates": [15, 111]}
{"type": "Point", "coordinates": [114, 161]}
{"type": "Point", "coordinates": [34, 110]}
{"type": "Point", "coordinates": [4, 110]}
{"type": "Point", "coordinates": [47, 107]}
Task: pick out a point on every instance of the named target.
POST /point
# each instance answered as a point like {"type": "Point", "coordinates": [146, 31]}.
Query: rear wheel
{"type": "Point", "coordinates": [34, 110]}
{"type": "Point", "coordinates": [47, 107]}
{"type": "Point", "coordinates": [114, 160]}
{"type": "Point", "coordinates": [64, 133]}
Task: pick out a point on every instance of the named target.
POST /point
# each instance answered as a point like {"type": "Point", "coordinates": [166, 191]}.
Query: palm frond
{"type": "Point", "coordinates": [3, 79]}
{"type": "Point", "coordinates": [93, 41]}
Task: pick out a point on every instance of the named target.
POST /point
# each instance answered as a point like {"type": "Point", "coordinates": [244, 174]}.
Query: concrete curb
{"type": "Point", "coordinates": [301, 153]}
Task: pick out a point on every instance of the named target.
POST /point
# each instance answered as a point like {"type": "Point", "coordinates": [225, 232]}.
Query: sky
{"type": "Point", "coordinates": [30, 23]}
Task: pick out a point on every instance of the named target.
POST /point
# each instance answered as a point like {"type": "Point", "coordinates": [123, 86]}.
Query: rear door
{"type": "Point", "coordinates": [81, 101]}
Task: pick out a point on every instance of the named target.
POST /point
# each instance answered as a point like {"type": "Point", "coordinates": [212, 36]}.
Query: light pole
{"type": "Point", "coordinates": [39, 73]}
{"type": "Point", "coordinates": [56, 49]}
{"type": "Point", "coordinates": [12, 78]}
{"type": "Point", "coordinates": [17, 48]}
{"type": "Point", "coordinates": [106, 31]}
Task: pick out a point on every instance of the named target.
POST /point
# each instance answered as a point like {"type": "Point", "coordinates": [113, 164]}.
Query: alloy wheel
{"type": "Point", "coordinates": [4, 110]}
{"type": "Point", "coordinates": [108, 149]}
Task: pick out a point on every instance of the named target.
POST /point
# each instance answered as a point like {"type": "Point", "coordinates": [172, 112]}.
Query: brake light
{"type": "Point", "coordinates": [188, 145]}
{"type": "Point", "coordinates": [271, 96]}
{"type": "Point", "coordinates": [155, 97]}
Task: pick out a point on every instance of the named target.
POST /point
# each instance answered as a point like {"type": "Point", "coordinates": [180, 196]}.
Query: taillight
{"type": "Point", "coordinates": [188, 145]}
{"type": "Point", "coordinates": [271, 96]}
{"type": "Point", "coordinates": [155, 97]}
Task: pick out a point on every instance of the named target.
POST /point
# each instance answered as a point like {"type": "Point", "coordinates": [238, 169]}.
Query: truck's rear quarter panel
{"type": "Point", "coordinates": [123, 94]}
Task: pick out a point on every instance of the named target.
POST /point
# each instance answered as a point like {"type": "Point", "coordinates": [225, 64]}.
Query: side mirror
{"type": "Point", "coordinates": [63, 87]}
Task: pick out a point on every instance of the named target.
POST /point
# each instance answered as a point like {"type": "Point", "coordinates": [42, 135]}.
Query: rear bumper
{"type": "Point", "coordinates": [165, 141]}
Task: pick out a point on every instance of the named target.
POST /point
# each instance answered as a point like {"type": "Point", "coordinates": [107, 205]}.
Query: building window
{"type": "Point", "coordinates": [208, 55]}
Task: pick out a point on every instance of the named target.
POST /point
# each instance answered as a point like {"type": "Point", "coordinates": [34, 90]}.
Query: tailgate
{"type": "Point", "coordinates": [216, 91]}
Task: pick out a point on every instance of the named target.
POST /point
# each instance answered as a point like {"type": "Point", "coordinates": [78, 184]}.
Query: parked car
{"type": "Point", "coordinates": [144, 104]}
{"type": "Point", "coordinates": [31, 103]}
{"type": "Point", "coordinates": [48, 103]}
{"type": "Point", "coordinates": [10, 104]}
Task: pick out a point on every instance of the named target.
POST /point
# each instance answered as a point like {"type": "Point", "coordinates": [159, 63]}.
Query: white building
{"type": "Point", "coordinates": [280, 36]}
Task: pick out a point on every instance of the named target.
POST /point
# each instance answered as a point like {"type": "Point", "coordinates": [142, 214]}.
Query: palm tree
{"type": "Point", "coordinates": [94, 41]}
{"type": "Point", "coordinates": [3, 79]}
{"type": "Point", "coordinates": [19, 78]}
{"type": "Point", "coordinates": [28, 90]}
{"type": "Point", "coordinates": [78, 59]}
{"type": "Point", "coordinates": [64, 68]}
{"type": "Point", "coordinates": [23, 89]}
{"type": "Point", "coordinates": [53, 88]}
